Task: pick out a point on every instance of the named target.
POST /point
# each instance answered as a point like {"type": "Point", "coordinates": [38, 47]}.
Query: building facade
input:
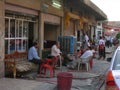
{"type": "Point", "coordinates": [25, 21]}
{"type": "Point", "coordinates": [99, 30]}
{"type": "Point", "coordinates": [81, 17]}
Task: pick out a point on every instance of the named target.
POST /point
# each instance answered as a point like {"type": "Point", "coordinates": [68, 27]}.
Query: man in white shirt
{"type": "Point", "coordinates": [55, 51]}
{"type": "Point", "coordinates": [86, 38]}
{"type": "Point", "coordinates": [108, 41]}
{"type": "Point", "coordinates": [87, 53]}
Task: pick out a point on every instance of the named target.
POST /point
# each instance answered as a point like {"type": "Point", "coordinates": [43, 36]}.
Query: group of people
{"type": "Point", "coordinates": [55, 52]}
{"type": "Point", "coordinates": [88, 48]}
{"type": "Point", "coordinates": [34, 57]}
{"type": "Point", "coordinates": [97, 45]}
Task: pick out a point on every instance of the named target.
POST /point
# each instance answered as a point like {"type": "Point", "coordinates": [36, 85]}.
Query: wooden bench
{"type": "Point", "coordinates": [17, 62]}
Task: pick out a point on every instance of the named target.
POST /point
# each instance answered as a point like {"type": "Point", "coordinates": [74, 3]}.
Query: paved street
{"type": "Point", "coordinates": [92, 80]}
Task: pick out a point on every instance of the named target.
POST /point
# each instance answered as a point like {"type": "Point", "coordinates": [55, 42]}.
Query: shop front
{"type": "Point", "coordinates": [19, 28]}
{"type": "Point", "coordinates": [71, 24]}
{"type": "Point", "coordinates": [51, 29]}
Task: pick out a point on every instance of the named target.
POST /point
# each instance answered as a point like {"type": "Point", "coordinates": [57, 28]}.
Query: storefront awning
{"type": "Point", "coordinates": [107, 33]}
{"type": "Point", "coordinates": [85, 7]}
{"type": "Point", "coordinates": [74, 16]}
{"type": "Point", "coordinates": [109, 27]}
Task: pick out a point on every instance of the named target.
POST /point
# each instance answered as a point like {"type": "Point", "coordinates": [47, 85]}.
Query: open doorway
{"type": "Point", "coordinates": [51, 33]}
{"type": "Point", "coordinates": [30, 34]}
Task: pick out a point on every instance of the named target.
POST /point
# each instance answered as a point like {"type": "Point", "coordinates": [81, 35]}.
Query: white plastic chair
{"type": "Point", "coordinates": [84, 61]}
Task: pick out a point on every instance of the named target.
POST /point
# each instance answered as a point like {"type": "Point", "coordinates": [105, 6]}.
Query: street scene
{"type": "Point", "coordinates": [59, 45]}
{"type": "Point", "coordinates": [82, 80]}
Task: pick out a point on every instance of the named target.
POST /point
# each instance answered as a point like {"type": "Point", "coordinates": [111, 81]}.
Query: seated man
{"type": "Point", "coordinates": [33, 55]}
{"type": "Point", "coordinates": [55, 50]}
{"type": "Point", "coordinates": [79, 52]}
{"type": "Point", "coordinates": [88, 52]}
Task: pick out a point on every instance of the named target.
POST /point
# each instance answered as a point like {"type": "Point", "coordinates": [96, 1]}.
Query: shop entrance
{"type": "Point", "coordinates": [51, 33]}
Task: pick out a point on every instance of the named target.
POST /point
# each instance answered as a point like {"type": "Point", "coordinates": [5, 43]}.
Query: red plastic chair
{"type": "Point", "coordinates": [50, 65]}
{"type": "Point", "coordinates": [91, 63]}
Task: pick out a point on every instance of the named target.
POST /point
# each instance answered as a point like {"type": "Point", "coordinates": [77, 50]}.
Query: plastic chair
{"type": "Point", "coordinates": [85, 61]}
{"type": "Point", "coordinates": [50, 65]}
{"type": "Point", "coordinates": [58, 59]}
{"type": "Point", "coordinates": [91, 63]}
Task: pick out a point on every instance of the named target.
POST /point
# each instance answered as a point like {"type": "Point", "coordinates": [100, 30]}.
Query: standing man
{"type": "Point", "coordinates": [94, 42]}
{"type": "Point", "coordinates": [86, 39]}
{"type": "Point", "coordinates": [33, 55]}
{"type": "Point", "coordinates": [108, 41]}
{"type": "Point", "coordinates": [101, 44]}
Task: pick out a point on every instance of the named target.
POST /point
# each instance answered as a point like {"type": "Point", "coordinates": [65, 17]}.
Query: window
{"type": "Point", "coordinates": [16, 35]}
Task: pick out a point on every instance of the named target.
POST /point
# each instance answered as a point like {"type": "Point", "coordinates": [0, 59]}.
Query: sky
{"type": "Point", "coordinates": [110, 8]}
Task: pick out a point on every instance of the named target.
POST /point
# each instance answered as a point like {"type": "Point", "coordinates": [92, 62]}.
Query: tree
{"type": "Point", "coordinates": [118, 36]}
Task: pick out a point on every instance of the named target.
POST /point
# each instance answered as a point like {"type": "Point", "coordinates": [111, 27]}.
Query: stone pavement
{"type": "Point", "coordinates": [19, 84]}
{"type": "Point", "coordinates": [92, 80]}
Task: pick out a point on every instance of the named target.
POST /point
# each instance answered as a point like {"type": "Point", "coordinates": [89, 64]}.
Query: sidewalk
{"type": "Point", "coordinates": [81, 80]}
{"type": "Point", "coordinates": [19, 84]}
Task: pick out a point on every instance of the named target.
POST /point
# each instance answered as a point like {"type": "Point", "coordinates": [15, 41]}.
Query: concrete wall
{"type": "Point", "coordinates": [50, 32]}
{"type": "Point", "coordinates": [55, 11]}
{"type": "Point", "coordinates": [33, 4]}
{"type": "Point", "coordinates": [46, 7]}
{"type": "Point", "coordinates": [2, 38]}
{"type": "Point", "coordinates": [53, 24]}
